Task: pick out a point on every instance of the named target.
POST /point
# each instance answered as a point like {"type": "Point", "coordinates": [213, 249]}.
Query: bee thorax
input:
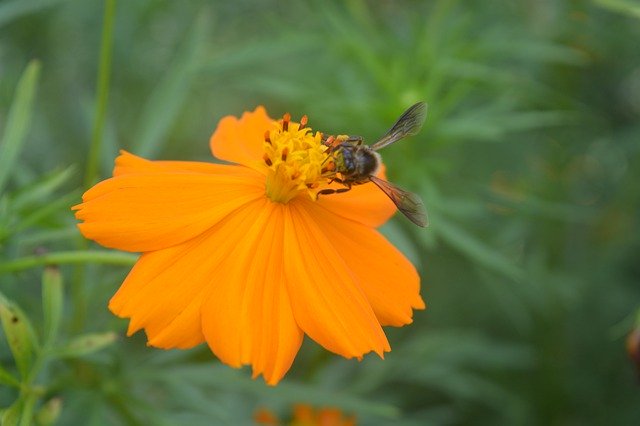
{"type": "Point", "coordinates": [357, 162]}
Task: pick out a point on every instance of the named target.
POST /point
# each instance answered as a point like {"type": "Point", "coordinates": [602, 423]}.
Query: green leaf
{"type": "Point", "coordinates": [623, 6]}
{"type": "Point", "coordinates": [86, 344]}
{"type": "Point", "coordinates": [49, 413]}
{"type": "Point", "coordinates": [538, 51]}
{"type": "Point", "coordinates": [475, 249]}
{"type": "Point", "coordinates": [493, 126]}
{"type": "Point", "coordinates": [541, 208]}
{"type": "Point", "coordinates": [7, 378]}
{"type": "Point", "coordinates": [19, 334]}
{"type": "Point", "coordinates": [48, 236]}
{"type": "Point", "coordinates": [26, 415]}
{"type": "Point", "coordinates": [36, 215]}
{"type": "Point", "coordinates": [18, 121]}
{"type": "Point", "coordinates": [6, 217]}
{"type": "Point", "coordinates": [44, 187]}
{"type": "Point", "coordinates": [237, 58]}
{"type": "Point", "coordinates": [162, 107]}
{"type": "Point", "coordinates": [212, 376]}
{"type": "Point", "coordinates": [11, 415]}
{"type": "Point", "coordinates": [52, 302]}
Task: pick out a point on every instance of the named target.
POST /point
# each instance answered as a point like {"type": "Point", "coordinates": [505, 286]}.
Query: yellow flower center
{"type": "Point", "coordinates": [297, 160]}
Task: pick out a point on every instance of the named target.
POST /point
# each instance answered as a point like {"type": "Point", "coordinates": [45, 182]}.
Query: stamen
{"type": "Point", "coordinates": [297, 161]}
{"type": "Point", "coordinates": [285, 121]}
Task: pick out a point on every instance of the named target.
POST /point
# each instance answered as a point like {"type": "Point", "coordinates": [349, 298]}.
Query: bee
{"type": "Point", "coordinates": [358, 163]}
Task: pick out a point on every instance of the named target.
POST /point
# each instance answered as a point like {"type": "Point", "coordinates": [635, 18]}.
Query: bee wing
{"type": "Point", "coordinates": [407, 202]}
{"type": "Point", "coordinates": [408, 124]}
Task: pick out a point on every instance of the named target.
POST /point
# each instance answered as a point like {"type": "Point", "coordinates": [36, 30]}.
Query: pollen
{"type": "Point", "coordinates": [296, 159]}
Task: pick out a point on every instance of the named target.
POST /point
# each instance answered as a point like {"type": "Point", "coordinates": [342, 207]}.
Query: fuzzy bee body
{"type": "Point", "coordinates": [357, 163]}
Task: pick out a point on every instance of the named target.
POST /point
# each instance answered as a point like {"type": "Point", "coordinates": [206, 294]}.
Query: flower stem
{"type": "Point", "coordinates": [104, 72]}
{"type": "Point", "coordinates": [93, 160]}
{"type": "Point", "coordinates": [69, 257]}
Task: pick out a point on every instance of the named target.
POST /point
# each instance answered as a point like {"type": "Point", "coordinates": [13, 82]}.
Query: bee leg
{"type": "Point", "coordinates": [333, 191]}
{"type": "Point", "coordinates": [335, 179]}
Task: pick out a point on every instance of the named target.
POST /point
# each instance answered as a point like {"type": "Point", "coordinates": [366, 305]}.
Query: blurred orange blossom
{"type": "Point", "coordinates": [306, 415]}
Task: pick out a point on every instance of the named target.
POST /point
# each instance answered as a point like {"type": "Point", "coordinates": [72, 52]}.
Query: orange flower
{"type": "Point", "coordinates": [246, 257]}
{"type": "Point", "coordinates": [305, 415]}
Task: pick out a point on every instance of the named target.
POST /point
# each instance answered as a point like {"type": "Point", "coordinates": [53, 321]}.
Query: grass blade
{"type": "Point", "coordinates": [623, 6]}
{"type": "Point", "coordinates": [18, 121]}
{"type": "Point", "coordinates": [163, 106]}
{"type": "Point", "coordinates": [475, 249]}
{"type": "Point", "coordinates": [19, 334]}
{"type": "Point", "coordinates": [52, 303]}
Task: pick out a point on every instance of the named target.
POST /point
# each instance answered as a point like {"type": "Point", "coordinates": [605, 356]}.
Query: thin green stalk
{"type": "Point", "coordinates": [104, 73]}
{"type": "Point", "coordinates": [91, 173]}
{"type": "Point", "coordinates": [69, 257]}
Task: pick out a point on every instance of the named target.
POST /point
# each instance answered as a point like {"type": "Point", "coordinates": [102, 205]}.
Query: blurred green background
{"type": "Point", "coordinates": [528, 165]}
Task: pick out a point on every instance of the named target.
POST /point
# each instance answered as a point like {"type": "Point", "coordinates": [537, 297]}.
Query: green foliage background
{"type": "Point", "coordinates": [528, 164]}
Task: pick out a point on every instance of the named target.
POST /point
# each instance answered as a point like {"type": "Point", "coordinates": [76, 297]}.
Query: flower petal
{"type": "Point", "coordinates": [155, 296]}
{"type": "Point", "coordinates": [240, 140]}
{"type": "Point", "coordinates": [247, 318]}
{"type": "Point", "coordinates": [127, 163]}
{"type": "Point", "coordinates": [365, 204]}
{"type": "Point", "coordinates": [154, 210]}
{"type": "Point", "coordinates": [327, 301]}
{"type": "Point", "coordinates": [165, 290]}
{"type": "Point", "coordinates": [388, 279]}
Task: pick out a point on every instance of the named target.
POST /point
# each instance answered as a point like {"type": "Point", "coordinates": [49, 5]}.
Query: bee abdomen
{"type": "Point", "coordinates": [368, 162]}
